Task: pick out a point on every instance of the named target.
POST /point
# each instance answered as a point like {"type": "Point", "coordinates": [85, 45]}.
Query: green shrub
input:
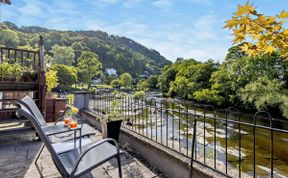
{"type": "Point", "coordinates": [139, 95]}
{"type": "Point", "coordinates": [51, 80]}
{"type": "Point", "coordinates": [16, 70]}
{"type": "Point", "coordinates": [115, 83]}
{"type": "Point", "coordinates": [93, 90]}
{"type": "Point", "coordinates": [11, 69]}
{"type": "Point", "coordinates": [143, 85]}
{"type": "Point", "coordinates": [67, 75]}
{"type": "Point", "coordinates": [70, 99]}
{"type": "Point", "coordinates": [4, 67]}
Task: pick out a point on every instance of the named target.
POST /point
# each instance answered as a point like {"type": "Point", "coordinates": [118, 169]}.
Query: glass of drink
{"type": "Point", "coordinates": [67, 120]}
{"type": "Point", "coordinates": [73, 124]}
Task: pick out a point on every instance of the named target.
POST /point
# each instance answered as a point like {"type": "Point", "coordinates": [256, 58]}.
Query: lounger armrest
{"type": "Point", "coordinates": [59, 119]}
{"type": "Point", "coordinates": [94, 146]}
{"type": "Point", "coordinates": [56, 131]}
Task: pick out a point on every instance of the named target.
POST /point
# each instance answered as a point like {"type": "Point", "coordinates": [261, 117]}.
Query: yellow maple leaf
{"type": "Point", "coordinates": [269, 49]}
{"type": "Point", "coordinates": [245, 47]}
{"type": "Point", "coordinates": [283, 14]}
{"type": "Point", "coordinates": [285, 32]}
{"type": "Point", "coordinates": [249, 7]}
{"type": "Point", "coordinates": [251, 52]}
{"type": "Point", "coordinates": [240, 10]}
{"type": "Point", "coordinates": [246, 9]}
{"type": "Point", "coordinates": [230, 24]}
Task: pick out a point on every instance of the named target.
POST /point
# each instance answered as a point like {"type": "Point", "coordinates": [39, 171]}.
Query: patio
{"type": "Point", "coordinates": [18, 153]}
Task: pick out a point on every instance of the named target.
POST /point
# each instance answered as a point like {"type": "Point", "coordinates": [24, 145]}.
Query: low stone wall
{"type": "Point", "coordinates": [169, 162]}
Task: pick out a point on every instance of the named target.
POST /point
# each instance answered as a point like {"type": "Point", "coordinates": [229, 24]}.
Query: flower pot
{"type": "Point", "coordinates": [111, 129]}
{"type": "Point", "coordinates": [29, 77]}
{"type": "Point", "coordinates": [50, 96]}
{"type": "Point", "coordinates": [10, 77]}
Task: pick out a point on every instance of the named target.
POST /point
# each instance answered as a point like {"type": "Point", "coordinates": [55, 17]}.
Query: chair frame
{"type": "Point", "coordinates": [60, 166]}
{"type": "Point", "coordinates": [24, 102]}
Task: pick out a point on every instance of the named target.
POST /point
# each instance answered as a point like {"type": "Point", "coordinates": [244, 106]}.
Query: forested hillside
{"type": "Point", "coordinates": [121, 53]}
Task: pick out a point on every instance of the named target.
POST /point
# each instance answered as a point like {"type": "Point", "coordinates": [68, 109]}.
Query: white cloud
{"type": "Point", "coordinates": [204, 27]}
{"type": "Point", "coordinates": [197, 39]}
{"type": "Point", "coordinates": [31, 9]}
{"type": "Point", "coordinates": [162, 3]}
{"type": "Point", "coordinates": [102, 3]}
{"type": "Point", "coordinates": [131, 3]}
{"type": "Point", "coordinates": [108, 2]}
{"type": "Point", "coordinates": [164, 6]}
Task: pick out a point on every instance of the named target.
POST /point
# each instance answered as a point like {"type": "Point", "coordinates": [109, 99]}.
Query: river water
{"type": "Point", "coordinates": [175, 130]}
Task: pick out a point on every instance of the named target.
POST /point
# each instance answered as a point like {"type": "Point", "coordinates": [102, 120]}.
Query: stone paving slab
{"type": "Point", "coordinates": [18, 152]}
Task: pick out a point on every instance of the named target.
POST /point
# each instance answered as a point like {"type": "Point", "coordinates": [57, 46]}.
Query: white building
{"type": "Point", "coordinates": [111, 71]}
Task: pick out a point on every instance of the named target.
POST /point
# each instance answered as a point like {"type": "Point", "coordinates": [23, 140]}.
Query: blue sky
{"type": "Point", "coordinates": [176, 28]}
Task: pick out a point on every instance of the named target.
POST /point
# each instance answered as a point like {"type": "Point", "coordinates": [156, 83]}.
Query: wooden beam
{"type": "Point", "coordinates": [42, 78]}
{"type": "Point", "coordinates": [6, 1]}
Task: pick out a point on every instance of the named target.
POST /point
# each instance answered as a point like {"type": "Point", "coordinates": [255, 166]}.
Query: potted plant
{"type": "Point", "coordinates": [3, 70]}
{"type": "Point", "coordinates": [11, 72]}
{"type": "Point", "coordinates": [29, 75]}
{"type": "Point", "coordinates": [111, 122]}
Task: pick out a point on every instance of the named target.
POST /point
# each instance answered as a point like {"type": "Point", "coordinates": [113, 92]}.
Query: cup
{"type": "Point", "coordinates": [67, 120]}
{"type": "Point", "coordinates": [73, 124]}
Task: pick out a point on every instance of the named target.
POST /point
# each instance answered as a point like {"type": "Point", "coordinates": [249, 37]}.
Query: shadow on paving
{"type": "Point", "coordinates": [17, 154]}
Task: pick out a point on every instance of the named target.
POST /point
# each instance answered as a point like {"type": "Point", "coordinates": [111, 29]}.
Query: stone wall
{"type": "Point", "coordinates": [169, 162]}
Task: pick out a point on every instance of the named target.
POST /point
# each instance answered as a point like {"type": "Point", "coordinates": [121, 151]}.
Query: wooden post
{"type": "Point", "coordinates": [42, 78]}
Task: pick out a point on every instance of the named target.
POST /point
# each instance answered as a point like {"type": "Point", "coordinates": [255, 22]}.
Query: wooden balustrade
{"type": "Point", "coordinates": [10, 91]}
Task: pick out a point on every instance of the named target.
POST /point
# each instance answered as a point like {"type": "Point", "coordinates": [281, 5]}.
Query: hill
{"type": "Point", "coordinates": [120, 53]}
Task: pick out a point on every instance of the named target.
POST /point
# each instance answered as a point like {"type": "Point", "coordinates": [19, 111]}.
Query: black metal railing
{"type": "Point", "coordinates": [226, 142]}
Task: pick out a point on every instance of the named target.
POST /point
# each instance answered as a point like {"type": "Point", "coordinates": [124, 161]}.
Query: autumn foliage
{"type": "Point", "coordinates": [261, 34]}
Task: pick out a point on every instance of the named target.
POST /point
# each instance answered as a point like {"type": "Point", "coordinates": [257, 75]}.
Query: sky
{"type": "Point", "coordinates": [175, 28]}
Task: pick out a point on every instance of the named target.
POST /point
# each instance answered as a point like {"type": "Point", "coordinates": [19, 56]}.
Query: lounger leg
{"type": "Point", "coordinates": [39, 153]}
{"type": "Point", "coordinates": [119, 165]}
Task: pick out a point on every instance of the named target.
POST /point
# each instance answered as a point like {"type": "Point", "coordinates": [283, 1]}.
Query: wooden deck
{"type": "Point", "coordinates": [18, 151]}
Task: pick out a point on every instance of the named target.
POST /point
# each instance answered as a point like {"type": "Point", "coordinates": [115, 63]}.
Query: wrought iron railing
{"type": "Point", "coordinates": [225, 142]}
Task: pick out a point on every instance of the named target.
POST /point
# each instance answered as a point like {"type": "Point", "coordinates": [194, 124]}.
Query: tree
{"type": "Point", "coordinates": [78, 48]}
{"type": "Point", "coordinates": [125, 80]}
{"type": "Point", "coordinates": [235, 52]}
{"type": "Point", "coordinates": [236, 73]}
{"type": "Point", "coordinates": [9, 38]}
{"type": "Point", "coordinates": [182, 88]}
{"type": "Point", "coordinates": [153, 81]}
{"type": "Point", "coordinates": [62, 55]}
{"type": "Point", "coordinates": [89, 66]}
{"type": "Point", "coordinates": [67, 75]}
{"type": "Point", "coordinates": [208, 96]}
{"type": "Point", "coordinates": [166, 77]}
{"type": "Point", "coordinates": [115, 83]}
{"type": "Point", "coordinates": [267, 94]}
{"type": "Point", "coordinates": [263, 34]}
{"type": "Point", "coordinates": [143, 85]}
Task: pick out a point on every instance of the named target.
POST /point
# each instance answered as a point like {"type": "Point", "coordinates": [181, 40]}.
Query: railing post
{"type": "Point", "coordinates": [42, 78]}
{"type": "Point", "coordinates": [81, 100]}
